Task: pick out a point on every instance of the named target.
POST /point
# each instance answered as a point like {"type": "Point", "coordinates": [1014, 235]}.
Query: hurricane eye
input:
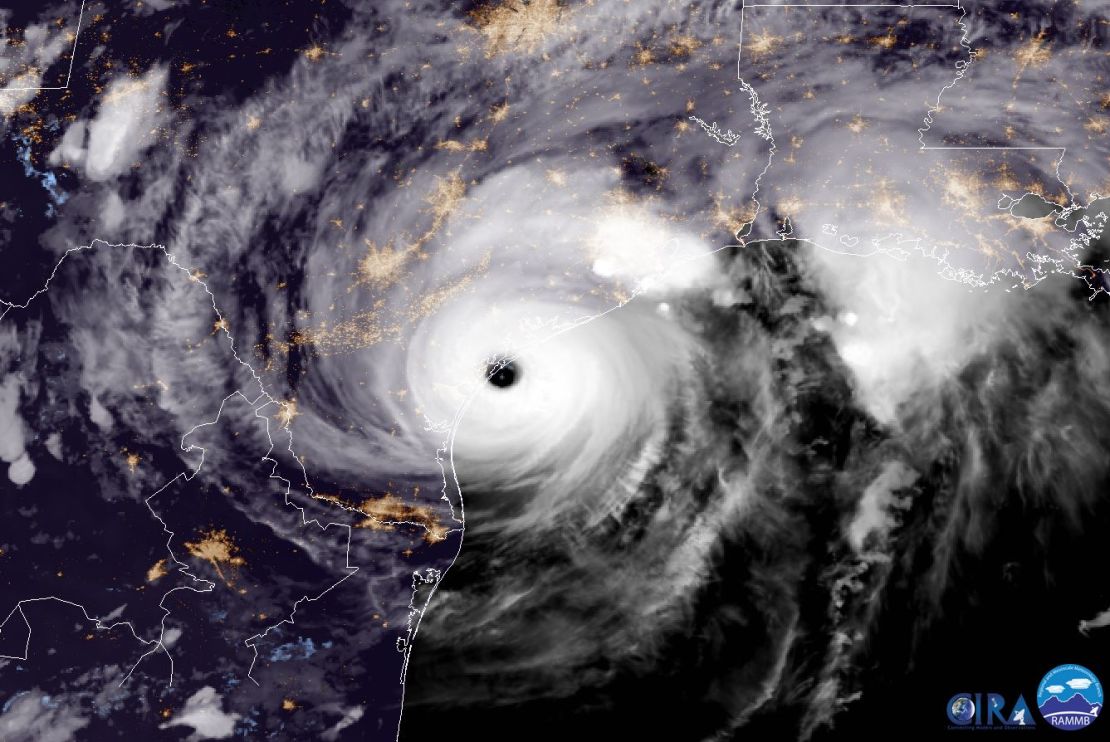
{"type": "Point", "coordinates": [503, 374]}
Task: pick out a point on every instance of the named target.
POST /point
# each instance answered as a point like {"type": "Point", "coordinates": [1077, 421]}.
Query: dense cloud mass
{"type": "Point", "coordinates": [544, 367]}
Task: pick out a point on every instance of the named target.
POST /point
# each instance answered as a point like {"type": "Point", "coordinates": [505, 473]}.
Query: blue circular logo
{"type": "Point", "coordinates": [1070, 697]}
{"type": "Point", "coordinates": [961, 709]}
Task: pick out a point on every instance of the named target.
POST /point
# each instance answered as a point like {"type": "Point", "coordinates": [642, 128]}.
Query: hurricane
{"type": "Point", "coordinates": [698, 371]}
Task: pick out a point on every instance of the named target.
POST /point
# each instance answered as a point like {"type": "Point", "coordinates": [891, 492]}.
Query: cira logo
{"type": "Point", "coordinates": [988, 710]}
{"type": "Point", "coordinates": [1069, 697]}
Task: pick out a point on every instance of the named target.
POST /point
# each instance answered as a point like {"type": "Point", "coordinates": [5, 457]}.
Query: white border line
{"type": "Point", "coordinates": [961, 70]}
{"type": "Point", "coordinates": [263, 400]}
{"type": "Point", "coordinates": [904, 6]}
{"type": "Point", "coordinates": [72, 58]}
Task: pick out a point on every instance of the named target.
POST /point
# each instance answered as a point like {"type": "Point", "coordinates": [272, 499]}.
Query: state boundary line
{"type": "Point", "coordinates": [72, 59]}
